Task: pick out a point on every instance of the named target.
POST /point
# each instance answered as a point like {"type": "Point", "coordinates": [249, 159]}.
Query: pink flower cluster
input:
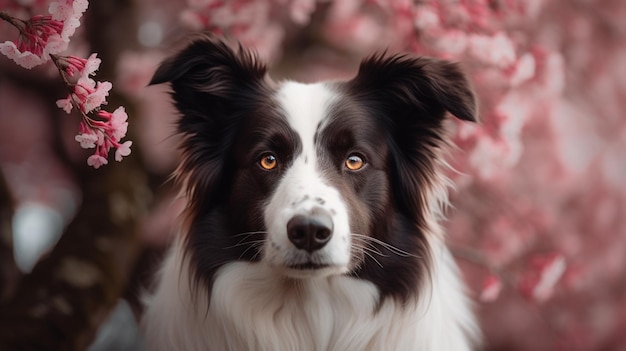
{"type": "Point", "coordinates": [42, 38]}
{"type": "Point", "coordinates": [491, 288]}
{"type": "Point", "coordinates": [537, 282]}
{"type": "Point", "coordinates": [43, 35]}
{"type": "Point", "coordinates": [477, 33]}
{"type": "Point", "coordinates": [257, 24]}
{"type": "Point", "coordinates": [98, 129]}
{"type": "Point", "coordinates": [544, 271]}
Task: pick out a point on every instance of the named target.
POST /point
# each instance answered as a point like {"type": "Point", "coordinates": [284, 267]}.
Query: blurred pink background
{"type": "Point", "coordinates": [538, 221]}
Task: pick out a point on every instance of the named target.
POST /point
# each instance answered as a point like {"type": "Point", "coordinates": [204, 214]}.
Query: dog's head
{"type": "Point", "coordinates": [312, 179]}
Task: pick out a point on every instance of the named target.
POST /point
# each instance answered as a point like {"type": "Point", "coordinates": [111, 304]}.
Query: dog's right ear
{"type": "Point", "coordinates": [212, 70]}
{"type": "Point", "coordinates": [215, 85]}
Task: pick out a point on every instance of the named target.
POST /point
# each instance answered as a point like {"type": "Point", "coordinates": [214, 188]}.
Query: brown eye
{"type": "Point", "coordinates": [268, 162]}
{"type": "Point", "coordinates": [354, 163]}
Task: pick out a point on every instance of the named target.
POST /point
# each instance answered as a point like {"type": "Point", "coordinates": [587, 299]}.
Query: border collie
{"type": "Point", "coordinates": [312, 209]}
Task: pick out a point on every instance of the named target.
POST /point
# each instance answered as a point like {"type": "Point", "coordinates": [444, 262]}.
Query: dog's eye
{"type": "Point", "coordinates": [268, 162]}
{"type": "Point", "coordinates": [354, 162]}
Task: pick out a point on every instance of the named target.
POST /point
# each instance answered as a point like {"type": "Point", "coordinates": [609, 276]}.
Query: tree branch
{"type": "Point", "coordinates": [69, 293]}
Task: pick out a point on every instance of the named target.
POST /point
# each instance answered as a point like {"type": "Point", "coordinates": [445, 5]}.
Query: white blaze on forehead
{"type": "Point", "coordinates": [305, 105]}
{"type": "Point", "coordinates": [303, 188]}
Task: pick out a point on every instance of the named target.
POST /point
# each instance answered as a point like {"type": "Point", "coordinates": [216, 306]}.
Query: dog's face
{"type": "Point", "coordinates": [328, 185]}
{"type": "Point", "coordinates": [312, 179]}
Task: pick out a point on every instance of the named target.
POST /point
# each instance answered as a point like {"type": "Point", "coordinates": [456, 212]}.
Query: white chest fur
{"type": "Point", "coordinates": [254, 309]}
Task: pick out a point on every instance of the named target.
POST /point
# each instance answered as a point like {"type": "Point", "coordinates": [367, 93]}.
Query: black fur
{"type": "Point", "coordinates": [217, 87]}
{"type": "Point", "coordinates": [397, 104]}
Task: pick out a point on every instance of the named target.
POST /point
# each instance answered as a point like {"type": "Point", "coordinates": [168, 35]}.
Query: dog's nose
{"type": "Point", "coordinates": [310, 232]}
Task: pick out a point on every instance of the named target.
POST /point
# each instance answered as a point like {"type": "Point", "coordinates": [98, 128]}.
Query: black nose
{"type": "Point", "coordinates": [310, 232]}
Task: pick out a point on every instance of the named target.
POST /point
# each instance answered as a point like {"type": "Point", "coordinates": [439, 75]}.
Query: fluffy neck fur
{"type": "Point", "coordinates": [253, 309]}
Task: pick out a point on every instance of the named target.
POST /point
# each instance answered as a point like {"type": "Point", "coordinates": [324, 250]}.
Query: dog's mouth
{"type": "Point", "coordinates": [310, 269]}
{"type": "Point", "coordinates": [308, 266]}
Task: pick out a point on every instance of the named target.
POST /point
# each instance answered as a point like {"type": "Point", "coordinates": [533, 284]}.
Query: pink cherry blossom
{"type": "Point", "coordinates": [40, 36]}
{"type": "Point", "coordinates": [426, 17]}
{"type": "Point", "coordinates": [491, 288]}
{"type": "Point", "coordinates": [66, 9]}
{"type": "Point", "coordinates": [96, 161]}
{"type": "Point", "coordinates": [300, 10]}
{"type": "Point", "coordinates": [73, 65]}
{"type": "Point", "coordinates": [55, 44]}
{"type": "Point", "coordinates": [65, 104]}
{"type": "Point", "coordinates": [99, 129]}
{"type": "Point", "coordinates": [87, 141]}
{"type": "Point", "coordinates": [497, 50]}
{"type": "Point", "coordinates": [61, 11]}
{"type": "Point", "coordinates": [252, 22]}
{"type": "Point", "coordinates": [523, 70]}
{"type": "Point", "coordinates": [451, 42]}
{"type": "Point", "coordinates": [103, 132]}
{"type": "Point", "coordinates": [90, 65]}
{"type": "Point", "coordinates": [538, 281]}
{"type": "Point", "coordinates": [91, 94]}
{"type": "Point", "coordinates": [77, 71]}
{"type": "Point", "coordinates": [25, 59]}
{"type": "Point", "coordinates": [119, 126]}
{"type": "Point", "coordinates": [123, 150]}
{"type": "Point", "coordinates": [43, 35]}
{"type": "Point", "coordinates": [69, 27]}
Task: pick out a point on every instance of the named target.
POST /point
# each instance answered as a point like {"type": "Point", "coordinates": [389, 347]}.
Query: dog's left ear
{"type": "Point", "coordinates": [426, 86]}
{"type": "Point", "coordinates": [411, 97]}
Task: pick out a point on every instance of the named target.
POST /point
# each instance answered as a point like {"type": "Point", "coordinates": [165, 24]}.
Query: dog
{"type": "Point", "coordinates": [312, 216]}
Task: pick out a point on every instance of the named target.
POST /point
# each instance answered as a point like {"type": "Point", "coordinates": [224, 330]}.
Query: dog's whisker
{"type": "Point", "coordinates": [251, 233]}
{"type": "Point", "coordinates": [254, 257]}
{"type": "Point", "coordinates": [242, 243]}
{"type": "Point", "coordinates": [388, 246]}
{"type": "Point", "coordinates": [365, 252]}
{"type": "Point", "coordinates": [364, 244]}
{"type": "Point", "coordinates": [371, 249]}
{"type": "Point", "coordinates": [246, 236]}
{"type": "Point", "coordinates": [254, 245]}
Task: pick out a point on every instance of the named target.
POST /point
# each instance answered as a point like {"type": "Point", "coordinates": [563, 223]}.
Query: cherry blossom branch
{"type": "Point", "coordinates": [62, 302]}
{"type": "Point", "coordinates": [40, 39]}
{"type": "Point", "coordinates": [99, 129]}
{"type": "Point", "coordinates": [16, 22]}
{"type": "Point", "coordinates": [43, 35]}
